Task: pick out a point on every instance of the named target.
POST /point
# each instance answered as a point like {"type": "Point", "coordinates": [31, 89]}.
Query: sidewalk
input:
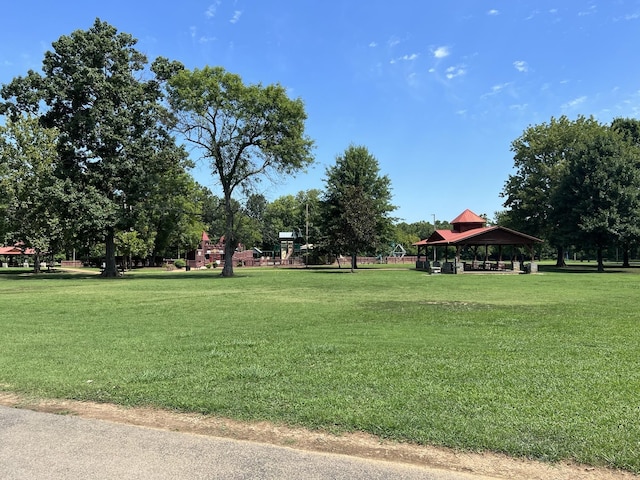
{"type": "Point", "coordinates": [37, 445]}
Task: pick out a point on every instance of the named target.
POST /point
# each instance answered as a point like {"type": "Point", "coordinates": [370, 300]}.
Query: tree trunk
{"type": "Point", "coordinates": [36, 262]}
{"type": "Point", "coordinates": [229, 239]}
{"type": "Point", "coordinates": [626, 263]}
{"type": "Point", "coordinates": [110, 269]}
{"type": "Point", "coordinates": [229, 250]}
{"type": "Point", "coordinates": [560, 257]}
{"type": "Point", "coordinates": [600, 262]}
{"type": "Point", "coordinates": [354, 261]}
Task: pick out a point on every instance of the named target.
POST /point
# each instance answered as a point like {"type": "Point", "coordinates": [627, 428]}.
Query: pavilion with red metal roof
{"type": "Point", "coordinates": [14, 253]}
{"type": "Point", "coordinates": [470, 230]}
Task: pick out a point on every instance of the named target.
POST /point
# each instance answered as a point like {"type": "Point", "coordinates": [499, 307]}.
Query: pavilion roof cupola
{"type": "Point", "coordinates": [466, 221]}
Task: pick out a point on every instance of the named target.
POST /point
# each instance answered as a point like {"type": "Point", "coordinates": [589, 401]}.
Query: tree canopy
{"type": "Point", "coordinates": [576, 183]}
{"type": "Point", "coordinates": [29, 186]}
{"type": "Point", "coordinates": [356, 204]}
{"type": "Point", "coordinates": [112, 143]}
{"type": "Point", "coordinates": [245, 132]}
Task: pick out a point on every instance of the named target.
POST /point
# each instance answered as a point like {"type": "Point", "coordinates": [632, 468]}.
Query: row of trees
{"type": "Point", "coordinates": [88, 158]}
{"type": "Point", "coordinates": [577, 184]}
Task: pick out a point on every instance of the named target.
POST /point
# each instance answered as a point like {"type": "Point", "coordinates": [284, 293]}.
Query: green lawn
{"type": "Point", "coordinates": [544, 366]}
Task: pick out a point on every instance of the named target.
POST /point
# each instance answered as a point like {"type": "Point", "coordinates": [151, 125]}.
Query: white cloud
{"type": "Point", "coordinates": [493, 12]}
{"type": "Point", "coordinates": [521, 66]}
{"type": "Point", "coordinates": [213, 8]}
{"type": "Point", "coordinates": [496, 89]}
{"type": "Point", "coordinates": [373, 44]}
{"type": "Point", "coordinates": [575, 102]}
{"type": "Point", "coordinates": [457, 71]}
{"type": "Point", "coordinates": [532, 15]}
{"type": "Point", "coordinates": [404, 58]}
{"type": "Point", "coordinates": [441, 52]}
{"type": "Point", "coordinates": [413, 79]}
{"type": "Point", "coordinates": [590, 11]}
{"type": "Point", "coordinates": [393, 41]}
{"type": "Point", "coordinates": [193, 32]}
{"type": "Point", "coordinates": [236, 16]}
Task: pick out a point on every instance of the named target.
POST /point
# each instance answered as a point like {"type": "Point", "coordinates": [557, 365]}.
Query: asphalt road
{"type": "Point", "coordinates": [35, 445]}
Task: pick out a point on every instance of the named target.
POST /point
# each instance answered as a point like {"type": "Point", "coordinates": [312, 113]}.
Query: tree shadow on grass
{"type": "Point", "coordinates": [588, 268]}
{"type": "Point", "coordinates": [48, 276]}
{"type": "Point", "coordinates": [347, 269]}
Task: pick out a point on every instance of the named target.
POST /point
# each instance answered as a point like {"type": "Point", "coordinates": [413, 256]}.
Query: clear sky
{"type": "Point", "coordinates": [436, 90]}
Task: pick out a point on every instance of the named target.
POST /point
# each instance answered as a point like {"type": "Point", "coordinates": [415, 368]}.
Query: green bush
{"type": "Point", "coordinates": [180, 263]}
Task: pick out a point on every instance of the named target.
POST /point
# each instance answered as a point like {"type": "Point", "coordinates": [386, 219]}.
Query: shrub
{"type": "Point", "coordinates": [180, 263]}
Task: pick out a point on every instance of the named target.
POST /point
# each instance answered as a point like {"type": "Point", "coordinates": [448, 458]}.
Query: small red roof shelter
{"type": "Point", "coordinates": [16, 250]}
{"type": "Point", "coordinates": [469, 230]}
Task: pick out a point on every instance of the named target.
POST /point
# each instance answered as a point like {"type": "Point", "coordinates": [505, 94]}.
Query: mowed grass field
{"type": "Point", "coordinates": [544, 366]}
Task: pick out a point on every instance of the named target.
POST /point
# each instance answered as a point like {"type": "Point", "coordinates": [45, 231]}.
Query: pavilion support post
{"type": "Point", "coordinates": [457, 266]}
{"type": "Point", "coordinates": [533, 266]}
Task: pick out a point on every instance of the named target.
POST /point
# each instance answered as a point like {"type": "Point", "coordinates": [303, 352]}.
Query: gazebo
{"type": "Point", "coordinates": [470, 230]}
{"type": "Point", "coordinates": [14, 252]}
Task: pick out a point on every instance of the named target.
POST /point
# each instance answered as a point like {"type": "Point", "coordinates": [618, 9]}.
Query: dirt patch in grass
{"type": "Point", "coordinates": [354, 444]}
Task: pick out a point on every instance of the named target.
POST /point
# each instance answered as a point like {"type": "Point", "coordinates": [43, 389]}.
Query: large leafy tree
{"type": "Point", "coordinates": [246, 132]}
{"type": "Point", "coordinates": [112, 144]}
{"type": "Point", "coordinates": [29, 186]}
{"type": "Point", "coordinates": [172, 219]}
{"type": "Point", "coordinates": [356, 204]}
{"type": "Point", "coordinates": [601, 191]}
{"type": "Point", "coordinates": [629, 130]}
{"type": "Point", "coordinates": [540, 161]}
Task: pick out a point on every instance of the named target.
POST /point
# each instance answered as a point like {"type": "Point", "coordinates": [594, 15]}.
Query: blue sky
{"type": "Point", "coordinates": [436, 91]}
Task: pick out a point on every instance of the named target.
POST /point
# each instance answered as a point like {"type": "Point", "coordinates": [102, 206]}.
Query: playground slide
{"type": "Point", "coordinates": [288, 254]}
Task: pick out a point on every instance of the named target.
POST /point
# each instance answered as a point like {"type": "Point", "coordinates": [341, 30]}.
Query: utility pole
{"type": "Point", "coordinates": [434, 229]}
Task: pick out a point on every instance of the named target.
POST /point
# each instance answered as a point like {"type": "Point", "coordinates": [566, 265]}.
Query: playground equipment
{"type": "Point", "coordinates": [397, 250]}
